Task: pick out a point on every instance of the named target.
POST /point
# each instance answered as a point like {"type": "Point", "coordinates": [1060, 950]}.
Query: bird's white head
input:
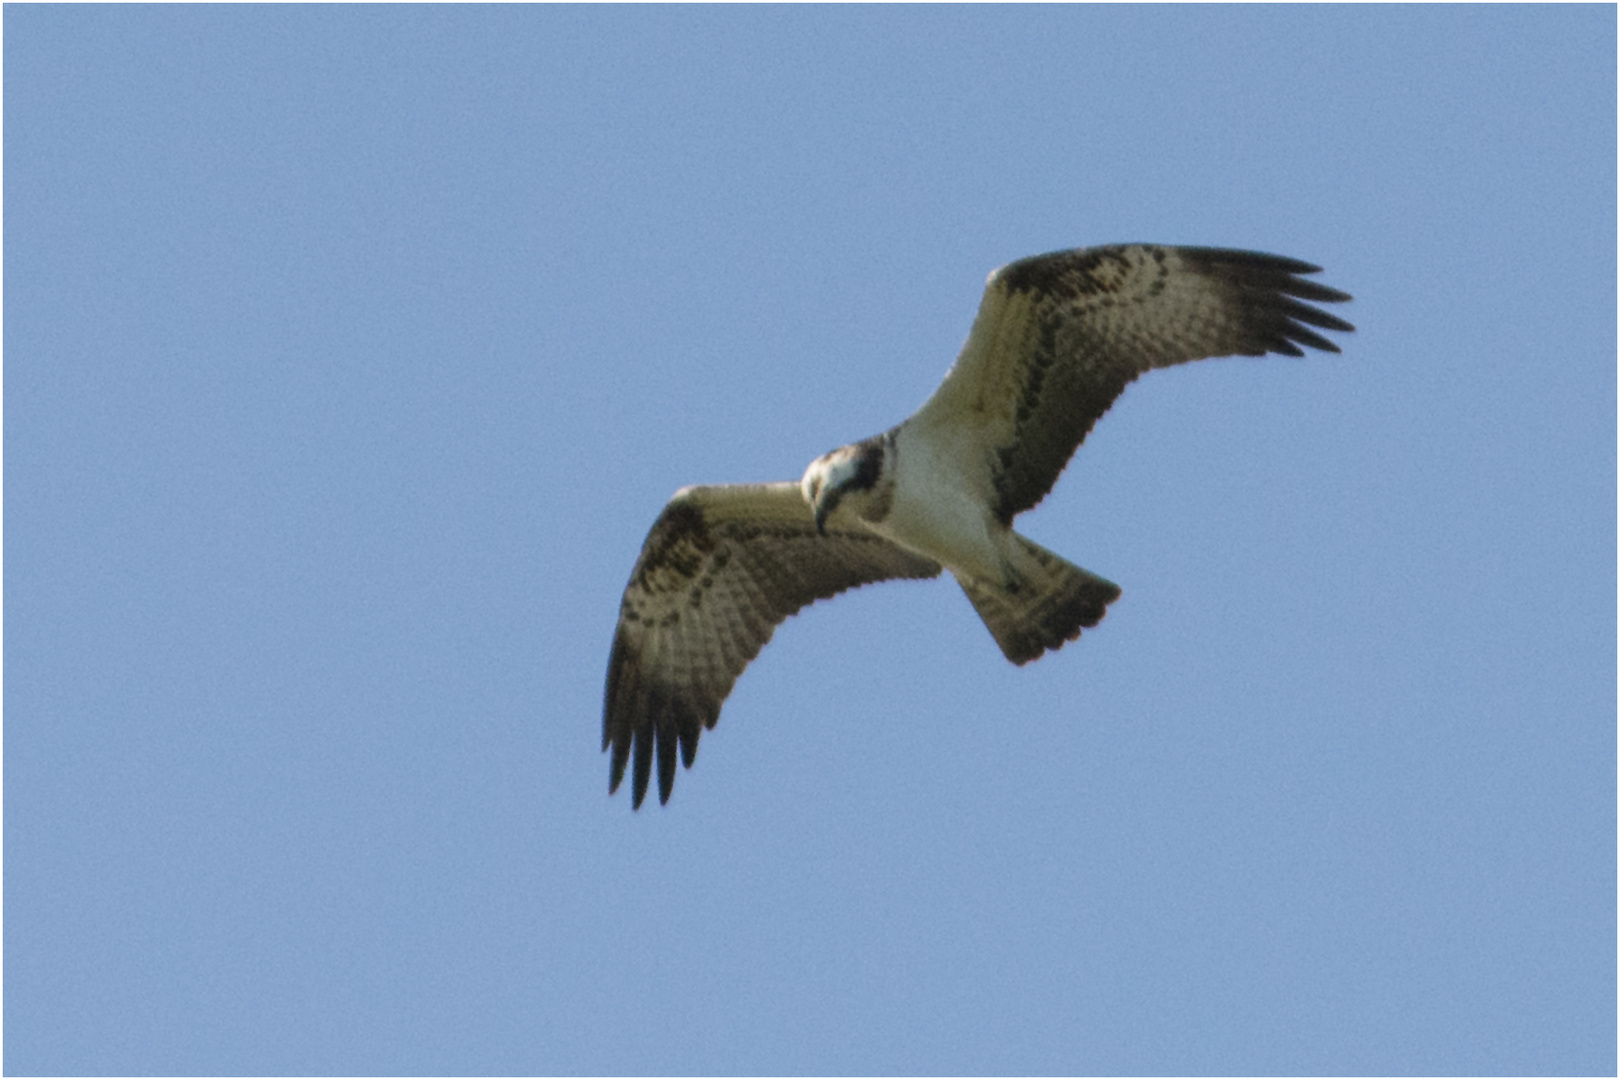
{"type": "Point", "coordinates": [857, 471]}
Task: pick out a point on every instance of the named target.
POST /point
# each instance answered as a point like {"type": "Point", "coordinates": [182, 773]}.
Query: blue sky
{"type": "Point", "coordinates": [350, 353]}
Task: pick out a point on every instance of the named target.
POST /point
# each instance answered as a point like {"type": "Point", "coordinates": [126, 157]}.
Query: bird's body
{"type": "Point", "coordinates": [931, 504]}
{"type": "Point", "coordinates": [1057, 338]}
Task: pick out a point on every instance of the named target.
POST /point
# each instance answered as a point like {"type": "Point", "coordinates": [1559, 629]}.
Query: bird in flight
{"type": "Point", "coordinates": [1057, 338]}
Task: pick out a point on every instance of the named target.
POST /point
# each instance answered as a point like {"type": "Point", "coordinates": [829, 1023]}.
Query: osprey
{"type": "Point", "coordinates": [1057, 338]}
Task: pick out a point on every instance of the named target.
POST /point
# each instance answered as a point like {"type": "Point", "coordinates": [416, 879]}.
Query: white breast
{"type": "Point", "coordinates": [936, 511]}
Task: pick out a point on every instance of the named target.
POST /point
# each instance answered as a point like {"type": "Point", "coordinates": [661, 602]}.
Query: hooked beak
{"type": "Point", "coordinates": [820, 499]}
{"type": "Point", "coordinates": [826, 502]}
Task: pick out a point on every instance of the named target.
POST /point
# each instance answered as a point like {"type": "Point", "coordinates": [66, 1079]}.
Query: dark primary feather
{"type": "Point", "coordinates": [720, 569]}
{"type": "Point", "coordinates": [1083, 324]}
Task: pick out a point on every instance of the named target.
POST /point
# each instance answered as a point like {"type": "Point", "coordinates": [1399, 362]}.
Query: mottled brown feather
{"type": "Point", "coordinates": [1059, 337]}
{"type": "Point", "coordinates": [721, 568]}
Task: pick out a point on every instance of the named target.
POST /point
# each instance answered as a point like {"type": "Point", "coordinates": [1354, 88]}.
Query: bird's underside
{"type": "Point", "coordinates": [1057, 338]}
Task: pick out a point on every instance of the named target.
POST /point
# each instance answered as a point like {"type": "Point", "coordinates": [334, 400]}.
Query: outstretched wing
{"type": "Point", "coordinates": [1058, 337]}
{"type": "Point", "coordinates": [720, 569]}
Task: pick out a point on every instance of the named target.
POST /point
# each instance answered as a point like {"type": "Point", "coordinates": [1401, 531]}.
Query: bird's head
{"type": "Point", "coordinates": [853, 470]}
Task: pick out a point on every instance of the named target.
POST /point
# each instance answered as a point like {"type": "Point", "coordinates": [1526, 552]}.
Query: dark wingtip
{"type": "Point", "coordinates": [666, 762]}
{"type": "Point", "coordinates": [642, 769]}
{"type": "Point", "coordinates": [621, 757]}
{"type": "Point", "coordinates": [1307, 337]}
{"type": "Point", "coordinates": [1276, 294]}
{"type": "Point", "coordinates": [663, 731]}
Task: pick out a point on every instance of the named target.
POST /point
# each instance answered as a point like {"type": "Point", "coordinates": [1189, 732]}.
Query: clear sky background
{"type": "Point", "coordinates": [351, 352]}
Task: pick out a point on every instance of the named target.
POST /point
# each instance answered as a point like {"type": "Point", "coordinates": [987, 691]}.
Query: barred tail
{"type": "Point", "coordinates": [1050, 604]}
